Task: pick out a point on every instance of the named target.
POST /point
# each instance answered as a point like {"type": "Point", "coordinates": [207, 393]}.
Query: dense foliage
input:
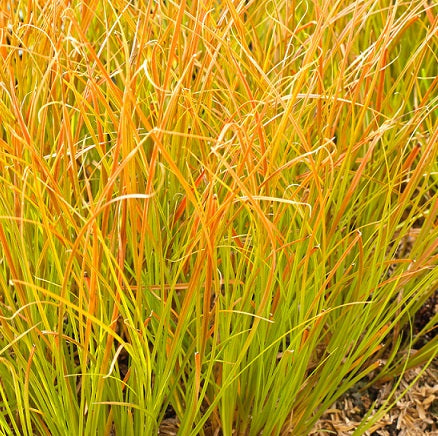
{"type": "Point", "coordinates": [223, 210]}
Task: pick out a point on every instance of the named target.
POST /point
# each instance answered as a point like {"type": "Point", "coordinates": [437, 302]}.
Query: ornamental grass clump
{"type": "Point", "coordinates": [224, 212]}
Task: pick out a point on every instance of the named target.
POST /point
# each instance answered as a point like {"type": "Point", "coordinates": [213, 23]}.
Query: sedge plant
{"type": "Point", "coordinates": [204, 208]}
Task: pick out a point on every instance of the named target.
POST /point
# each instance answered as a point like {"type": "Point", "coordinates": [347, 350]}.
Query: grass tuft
{"type": "Point", "coordinates": [222, 210]}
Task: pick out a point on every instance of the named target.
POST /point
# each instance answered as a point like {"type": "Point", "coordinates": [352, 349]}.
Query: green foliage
{"type": "Point", "coordinates": [226, 208]}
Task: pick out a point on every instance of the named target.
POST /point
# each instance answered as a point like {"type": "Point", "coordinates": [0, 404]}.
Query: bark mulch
{"type": "Point", "coordinates": [415, 414]}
